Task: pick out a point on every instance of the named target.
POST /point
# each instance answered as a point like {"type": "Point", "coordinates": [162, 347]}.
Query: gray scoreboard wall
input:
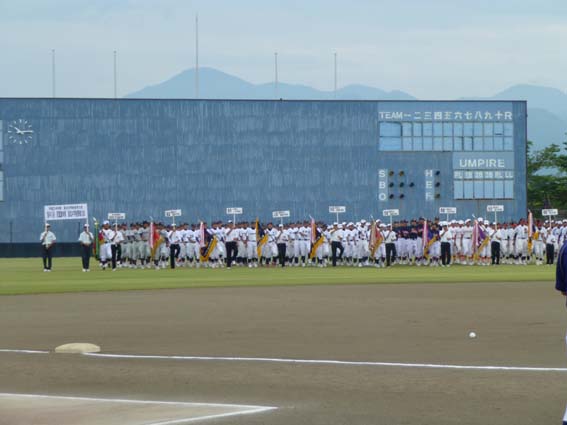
{"type": "Point", "coordinates": [142, 157]}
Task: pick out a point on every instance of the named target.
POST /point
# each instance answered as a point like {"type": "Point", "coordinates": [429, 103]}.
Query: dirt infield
{"type": "Point", "coordinates": [520, 324]}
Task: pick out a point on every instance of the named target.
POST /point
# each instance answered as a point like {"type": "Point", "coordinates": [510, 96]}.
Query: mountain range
{"type": "Point", "coordinates": [547, 107]}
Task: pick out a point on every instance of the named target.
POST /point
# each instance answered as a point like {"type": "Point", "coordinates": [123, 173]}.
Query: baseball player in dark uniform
{"type": "Point", "coordinates": [561, 284]}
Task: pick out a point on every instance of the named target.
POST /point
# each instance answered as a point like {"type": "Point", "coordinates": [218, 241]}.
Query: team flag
{"type": "Point", "coordinates": [155, 239]}
{"type": "Point", "coordinates": [261, 238]}
{"type": "Point", "coordinates": [208, 244]}
{"type": "Point", "coordinates": [202, 231]}
{"type": "Point", "coordinates": [96, 245]}
{"type": "Point", "coordinates": [479, 239]}
{"type": "Point", "coordinates": [317, 239]}
{"type": "Point", "coordinates": [530, 231]}
{"type": "Point", "coordinates": [425, 239]}
{"type": "Point", "coordinates": [376, 238]}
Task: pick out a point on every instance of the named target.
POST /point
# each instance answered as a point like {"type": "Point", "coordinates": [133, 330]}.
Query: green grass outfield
{"type": "Point", "coordinates": [26, 276]}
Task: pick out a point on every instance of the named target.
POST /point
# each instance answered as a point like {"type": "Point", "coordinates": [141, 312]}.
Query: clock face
{"type": "Point", "coordinates": [20, 132]}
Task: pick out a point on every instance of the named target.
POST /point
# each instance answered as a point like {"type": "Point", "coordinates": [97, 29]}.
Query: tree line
{"type": "Point", "coordinates": [547, 178]}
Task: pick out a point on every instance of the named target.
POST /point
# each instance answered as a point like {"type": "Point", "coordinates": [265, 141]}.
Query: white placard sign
{"type": "Point", "coordinates": [280, 214]}
{"type": "Point", "coordinates": [549, 212]}
{"type": "Point", "coordinates": [494, 208]}
{"type": "Point", "coordinates": [66, 212]}
{"type": "Point", "coordinates": [390, 213]}
{"type": "Point", "coordinates": [337, 210]}
{"type": "Point", "coordinates": [116, 216]}
{"type": "Point", "coordinates": [173, 213]}
{"type": "Point", "coordinates": [234, 211]}
{"type": "Point", "coordinates": [447, 210]}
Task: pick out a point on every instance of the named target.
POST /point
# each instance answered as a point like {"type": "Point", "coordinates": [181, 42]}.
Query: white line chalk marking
{"type": "Point", "coordinates": [249, 408]}
{"type": "Point", "coordinates": [331, 362]}
{"type": "Point", "coordinates": [313, 361]}
{"type": "Point", "coordinates": [24, 351]}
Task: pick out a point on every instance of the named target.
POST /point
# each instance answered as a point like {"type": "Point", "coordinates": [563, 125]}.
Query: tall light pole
{"type": "Point", "coordinates": [276, 88]}
{"type": "Point", "coordinates": [115, 81]}
{"type": "Point", "coordinates": [53, 72]}
{"type": "Point", "coordinates": [335, 91]}
{"type": "Point", "coordinates": [197, 56]}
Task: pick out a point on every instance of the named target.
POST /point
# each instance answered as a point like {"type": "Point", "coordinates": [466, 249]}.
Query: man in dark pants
{"type": "Point", "coordinates": [446, 237]}
{"type": "Point", "coordinates": [495, 239]}
{"type": "Point", "coordinates": [281, 241]}
{"type": "Point", "coordinates": [173, 238]}
{"type": "Point", "coordinates": [336, 242]}
{"type": "Point", "coordinates": [550, 242]}
{"type": "Point", "coordinates": [495, 252]}
{"type": "Point", "coordinates": [561, 284]}
{"type": "Point", "coordinates": [390, 239]}
{"type": "Point", "coordinates": [86, 240]}
{"type": "Point", "coordinates": [232, 236]}
{"type": "Point", "coordinates": [47, 239]}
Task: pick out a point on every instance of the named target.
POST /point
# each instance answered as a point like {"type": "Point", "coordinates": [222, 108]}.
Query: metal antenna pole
{"type": "Point", "coordinates": [335, 91]}
{"type": "Point", "coordinates": [53, 72]}
{"type": "Point", "coordinates": [115, 81]}
{"type": "Point", "coordinates": [276, 76]}
{"type": "Point", "coordinates": [197, 56]}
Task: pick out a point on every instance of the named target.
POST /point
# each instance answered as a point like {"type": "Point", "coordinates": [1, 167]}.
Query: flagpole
{"type": "Point", "coordinates": [197, 56]}
{"type": "Point", "coordinates": [53, 72]}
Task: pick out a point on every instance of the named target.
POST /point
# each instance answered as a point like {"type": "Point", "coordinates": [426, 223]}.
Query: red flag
{"type": "Point", "coordinates": [151, 238]}
{"type": "Point", "coordinates": [373, 233]}
{"type": "Point", "coordinates": [154, 236]}
{"type": "Point", "coordinates": [425, 235]}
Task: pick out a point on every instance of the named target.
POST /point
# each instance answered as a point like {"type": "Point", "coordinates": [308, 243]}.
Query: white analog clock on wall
{"type": "Point", "coordinates": [20, 132]}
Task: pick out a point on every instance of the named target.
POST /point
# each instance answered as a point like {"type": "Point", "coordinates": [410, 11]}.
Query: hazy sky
{"type": "Point", "coordinates": [429, 48]}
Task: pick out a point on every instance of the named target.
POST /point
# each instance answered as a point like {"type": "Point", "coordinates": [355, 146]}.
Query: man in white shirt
{"type": "Point", "coordinates": [47, 240]}
{"type": "Point", "coordinates": [446, 237]}
{"type": "Point", "coordinates": [337, 235]}
{"type": "Point", "coordinates": [390, 242]}
{"type": "Point", "coordinates": [495, 242]}
{"type": "Point", "coordinates": [282, 239]}
{"type": "Point", "coordinates": [550, 244]}
{"type": "Point", "coordinates": [173, 239]}
{"type": "Point", "coordinates": [86, 240]}
{"type": "Point", "coordinates": [232, 236]}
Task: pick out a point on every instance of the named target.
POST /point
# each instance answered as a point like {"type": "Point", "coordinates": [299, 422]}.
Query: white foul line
{"type": "Point", "coordinates": [249, 409]}
{"type": "Point", "coordinates": [306, 361]}
{"type": "Point", "coordinates": [331, 362]}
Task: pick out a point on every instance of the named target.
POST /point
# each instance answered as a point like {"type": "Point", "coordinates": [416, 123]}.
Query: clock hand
{"type": "Point", "coordinates": [26, 131]}
{"type": "Point", "coordinates": [18, 131]}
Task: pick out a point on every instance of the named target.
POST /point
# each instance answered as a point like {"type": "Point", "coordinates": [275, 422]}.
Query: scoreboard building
{"type": "Point", "coordinates": [142, 157]}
